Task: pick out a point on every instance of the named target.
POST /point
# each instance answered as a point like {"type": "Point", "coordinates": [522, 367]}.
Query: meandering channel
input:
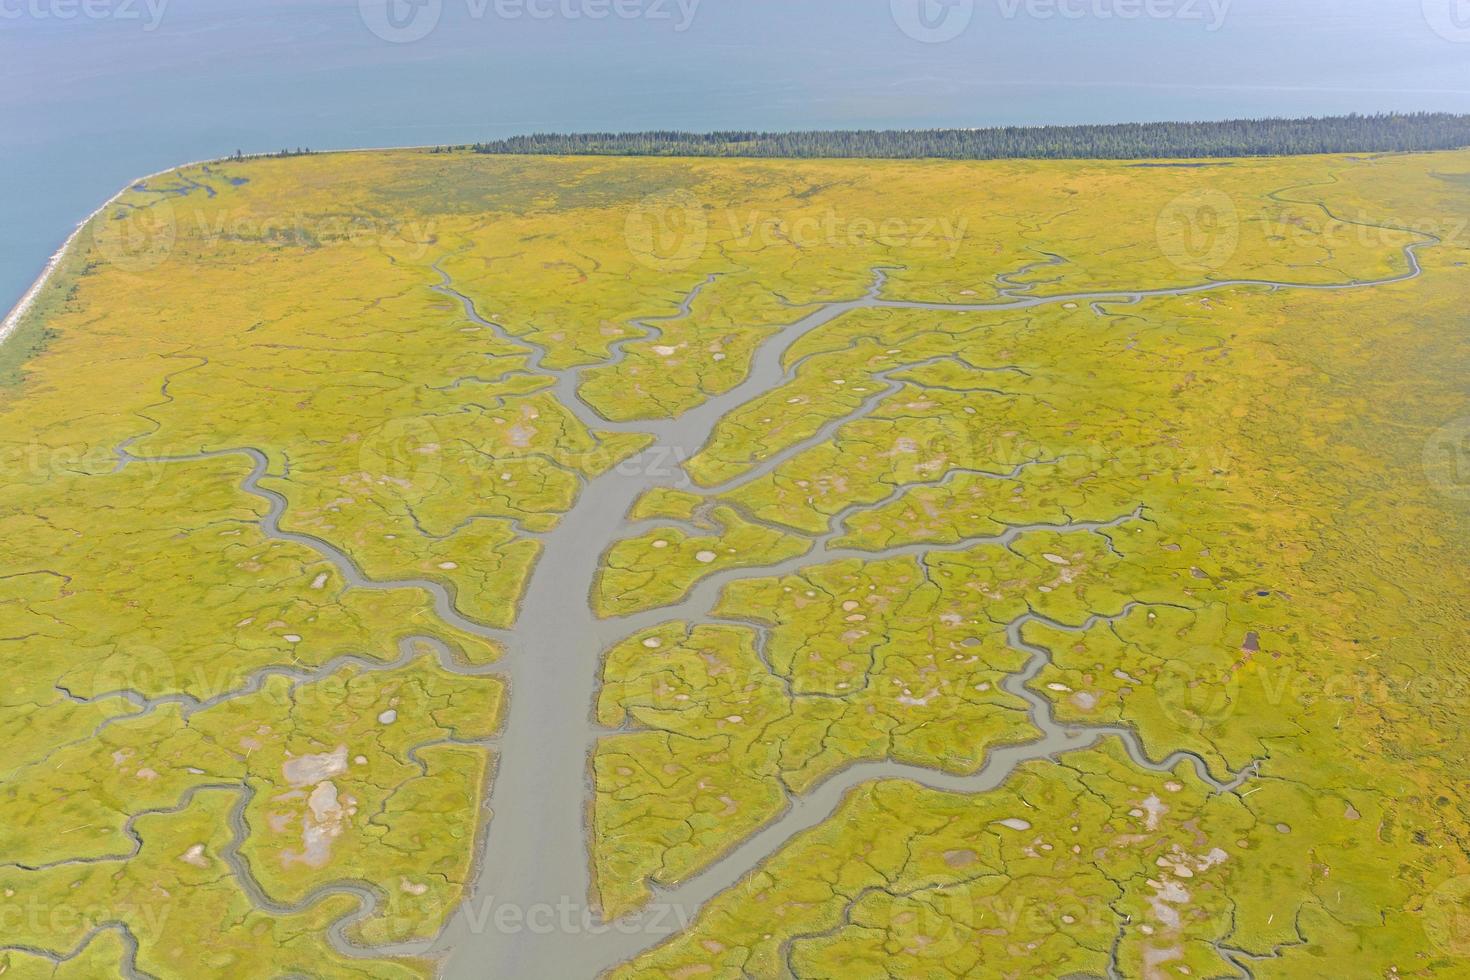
{"type": "Point", "coordinates": [536, 855]}
{"type": "Point", "coordinates": [535, 851]}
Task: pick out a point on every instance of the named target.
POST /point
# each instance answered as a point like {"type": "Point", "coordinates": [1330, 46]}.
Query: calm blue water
{"type": "Point", "coordinates": [88, 102]}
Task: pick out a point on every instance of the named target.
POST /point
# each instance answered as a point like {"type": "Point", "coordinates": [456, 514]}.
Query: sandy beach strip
{"type": "Point", "coordinates": [17, 314]}
{"type": "Point", "coordinates": [14, 317]}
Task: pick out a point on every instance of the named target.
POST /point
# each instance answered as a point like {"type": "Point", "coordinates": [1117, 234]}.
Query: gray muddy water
{"type": "Point", "coordinates": [529, 914]}
{"type": "Point", "coordinates": [536, 859]}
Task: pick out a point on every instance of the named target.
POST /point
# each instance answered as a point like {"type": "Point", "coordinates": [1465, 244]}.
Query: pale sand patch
{"type": "Point", "coordinates": [309, 770]}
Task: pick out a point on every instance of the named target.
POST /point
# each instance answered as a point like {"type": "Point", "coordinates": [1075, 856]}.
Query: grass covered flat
{"type": "Point", "coordinates": [899, 568]}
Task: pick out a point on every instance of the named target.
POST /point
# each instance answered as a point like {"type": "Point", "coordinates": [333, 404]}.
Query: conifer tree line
{"type": "Point", "coordinates": [1381, 133]}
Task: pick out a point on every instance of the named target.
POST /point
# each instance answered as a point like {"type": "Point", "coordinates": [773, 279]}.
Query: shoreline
{"type": "Point", "coordinates": [28, 299]}
{"type": "Point", "coordinates": [789, 824]}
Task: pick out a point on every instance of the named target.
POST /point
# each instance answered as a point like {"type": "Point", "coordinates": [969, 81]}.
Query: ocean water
{"type": "Point", "coordinates": [96, 92]}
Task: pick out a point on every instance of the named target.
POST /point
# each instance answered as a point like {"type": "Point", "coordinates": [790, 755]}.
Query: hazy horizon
{"type": "Point", "coordinates": [90, 102]}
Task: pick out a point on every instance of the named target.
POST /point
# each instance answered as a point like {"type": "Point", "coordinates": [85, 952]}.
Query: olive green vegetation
{"type": "Point", "coordinates": [658, 568]}
{"type": "Point", "coordinates": [1256, 490]}
{"type": "Point", "coordinates": [1126, 141]}
{"type": "Point", "coordinates": [1260, 455]}
{"type": "Point", "coordinates": [31, 333]}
